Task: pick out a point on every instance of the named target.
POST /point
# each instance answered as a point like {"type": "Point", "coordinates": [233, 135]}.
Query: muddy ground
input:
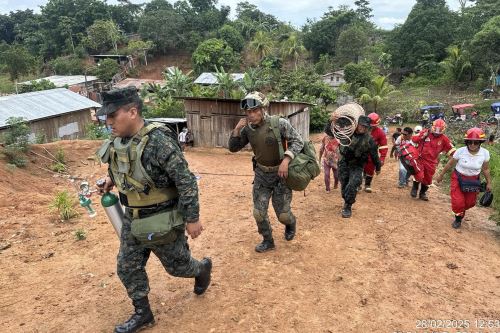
{"type": "Point", "coordinates": [395, 262]}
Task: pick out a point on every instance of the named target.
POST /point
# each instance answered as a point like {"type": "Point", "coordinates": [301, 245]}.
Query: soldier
{"type": "Point", "coordinates": [270, 170]}
{"type": "Point", "coordinates": [352, 161]}
{"type": "Point", "coordinates": [159, 192]}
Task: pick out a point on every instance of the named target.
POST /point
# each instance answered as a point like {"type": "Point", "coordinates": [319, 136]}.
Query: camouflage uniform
{"type": "Point", "coordinates": [352, 161]}
{"type": "Point", "coordinates": [267, 184]}
{"type": "Point", "coordinates": [165, 164]}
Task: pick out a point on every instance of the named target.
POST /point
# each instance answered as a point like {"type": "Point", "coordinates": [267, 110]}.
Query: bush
{"type": "Point", "coordinates": [80, 234]}
{"type": "Point", "coordinates": [495, 180]}
{"type": "Point", "coordinates": [166, 108]}
{"type": "Point", "coordinates": [67, 65]}
{"type": "Point", "coordinates": [319, 117]}
{"type": "Point", "coordinates": [106, 69]}
{"type": "Point", "coordinates": [64, 204]}
{"type": "Point", "coordinates": [16, 141]}
{"type": "Point", "coordinates": [96, 132]}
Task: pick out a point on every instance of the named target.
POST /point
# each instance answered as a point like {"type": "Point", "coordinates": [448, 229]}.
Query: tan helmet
{"type": "Point", "coordinates": [254, 100]}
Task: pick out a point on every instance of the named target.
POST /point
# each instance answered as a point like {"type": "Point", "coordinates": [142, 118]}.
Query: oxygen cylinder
{"type": "Point", "coordinates": [114, 211]}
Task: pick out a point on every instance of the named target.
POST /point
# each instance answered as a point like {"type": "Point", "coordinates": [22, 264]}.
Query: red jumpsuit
{"type": "Point", "coordinates": [380, 140]}
{"type": "Point", "coordinates": [429, 149]}
{"type": "Point", "coordinates": [461, 201]}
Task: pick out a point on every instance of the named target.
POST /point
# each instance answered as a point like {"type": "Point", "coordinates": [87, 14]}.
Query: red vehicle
{"type": "Point", "coordinates": [460, 114]}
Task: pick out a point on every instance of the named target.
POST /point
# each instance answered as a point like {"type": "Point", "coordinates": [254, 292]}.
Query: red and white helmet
{"type": "Point", "coordinates": [438, 126]}
{"type": "Point", "coordinates": [375, 119]}
{"type": "Point", "coordinates": [475, 134]}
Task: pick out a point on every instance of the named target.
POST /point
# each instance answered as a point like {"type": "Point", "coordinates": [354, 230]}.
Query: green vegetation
{"type": "Point", "coordinates": [80, 234]}
{"type": "Point", "coordinates": [64, 204]}
{"type": "Point", "coordinates": [16, 141]}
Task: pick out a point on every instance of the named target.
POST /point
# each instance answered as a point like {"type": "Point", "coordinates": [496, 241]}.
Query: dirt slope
{"type": "Point", "coordinates": [395, 262]}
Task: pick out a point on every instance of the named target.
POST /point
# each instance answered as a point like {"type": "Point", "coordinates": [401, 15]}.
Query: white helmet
{"type": "Point", "coordinates": [417, 129]}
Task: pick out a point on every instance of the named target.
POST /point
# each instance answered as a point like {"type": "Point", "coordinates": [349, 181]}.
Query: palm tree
{"type": "Point", "coordinates": [177, 83]}
{"type": "Point", "coordinates": [293, 47]}
{"type": "Point", "coordinates": [378, 91]}
{"type": "Point", "coordinates": [261, 44]}
{"type": "Point", "coordinates": [225, 82]}
{"type": "Point", "coordinates": [253, 80]}
{"type": "Point", "coordinates": [456, 63]}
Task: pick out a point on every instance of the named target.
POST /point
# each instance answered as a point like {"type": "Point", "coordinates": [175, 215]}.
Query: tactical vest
{"type": "Point", "coordinates": [129, 175]}
{"type": "Point", "coordinates": [264, 144]}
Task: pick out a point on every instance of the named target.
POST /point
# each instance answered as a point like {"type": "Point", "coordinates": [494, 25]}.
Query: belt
{"type": "Point", "coordinates": [268, 168]}
{"type": "Point", "coordinates": [141, 212]}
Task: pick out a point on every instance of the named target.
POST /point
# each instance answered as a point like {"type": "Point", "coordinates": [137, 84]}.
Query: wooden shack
{"type": "Point", "coordinates": [211, 120]}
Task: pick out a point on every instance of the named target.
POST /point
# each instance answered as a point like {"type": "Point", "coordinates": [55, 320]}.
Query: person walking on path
{"type": "Point", "coordinates": [329, 157]}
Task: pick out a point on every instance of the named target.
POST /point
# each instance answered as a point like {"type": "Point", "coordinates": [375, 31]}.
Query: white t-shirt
{"type": "Point", "coordinates": [469, 164]}
{"type": "Point", "coordinates": [182, 136]}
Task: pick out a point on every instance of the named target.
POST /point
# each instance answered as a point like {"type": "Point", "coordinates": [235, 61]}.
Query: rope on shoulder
{"type": "Point", "coordinates": [344, 121]}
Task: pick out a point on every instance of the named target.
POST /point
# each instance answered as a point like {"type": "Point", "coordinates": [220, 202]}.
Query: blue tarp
{"type": "Point", "coordinates": [495, 107]}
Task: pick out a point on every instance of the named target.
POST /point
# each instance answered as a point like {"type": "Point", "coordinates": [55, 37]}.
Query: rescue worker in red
{"type": "Point", "coordinates": [380, 140]}
{"type": "Point", "coordinates": [430, 145]}
{"type": "Point", "coordinates": [468, 163]}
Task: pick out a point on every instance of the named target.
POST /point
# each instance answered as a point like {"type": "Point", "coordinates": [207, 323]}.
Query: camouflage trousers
{"type": "Point", "coordinates": [266, 186]}
{"type": "Point", "coordinates": [350, 178]}
{"type": "Point", "coordinates": [132, 258]}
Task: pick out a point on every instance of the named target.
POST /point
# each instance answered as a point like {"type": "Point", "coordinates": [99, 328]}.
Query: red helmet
{"type": "Point", "coordinates": [375, 119]}
{"type": "Point", "coordinates": [475, 134]}
{"type": "Point", "coordinates": [438, 126]}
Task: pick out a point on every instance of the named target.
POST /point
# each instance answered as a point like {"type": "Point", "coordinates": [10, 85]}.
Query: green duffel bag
{"type": "Point", "coordinates": [304, 167]}
{"type": "Point", "coordinates": [158, 229]}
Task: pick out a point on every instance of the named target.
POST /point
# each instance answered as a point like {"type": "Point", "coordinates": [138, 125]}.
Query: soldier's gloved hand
{"type": "Point", "coordinates": [194, 229]}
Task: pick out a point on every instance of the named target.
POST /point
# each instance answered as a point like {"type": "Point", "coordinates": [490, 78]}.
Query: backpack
{"type": "Point", "coordinates": [304, 167]}
{"type": "Point", "coordinates": [408, 155]}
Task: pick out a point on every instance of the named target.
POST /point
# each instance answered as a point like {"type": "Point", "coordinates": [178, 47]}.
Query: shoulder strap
{"type": "Point", "coordinates": [275, 120]}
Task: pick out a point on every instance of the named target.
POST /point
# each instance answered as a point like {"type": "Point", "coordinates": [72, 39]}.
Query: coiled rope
{"type": "Point", "coordinates": [344, 121]}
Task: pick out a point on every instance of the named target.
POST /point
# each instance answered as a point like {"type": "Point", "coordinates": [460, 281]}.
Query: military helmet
{"type": "Point", "coordinates": [254, 100]}
{"type": "Point", "coordinates": [364, 121]}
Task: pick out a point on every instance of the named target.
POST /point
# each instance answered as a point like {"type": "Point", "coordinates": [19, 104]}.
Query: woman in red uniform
{"type": "Point", "coordinates": [468, 161]}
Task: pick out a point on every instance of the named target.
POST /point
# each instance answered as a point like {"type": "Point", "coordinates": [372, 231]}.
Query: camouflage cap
{"type": "Point", "coordinates": [254, 100]}
{"type": "Point", "coordinates": [114, 99]}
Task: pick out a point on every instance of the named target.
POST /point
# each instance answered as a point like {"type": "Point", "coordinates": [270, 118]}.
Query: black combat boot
{"type": "Point", "coordinates": [423, 194]}
{"type": "Point", "coordinates": [290, 230]}
{"type": "Point", "coordinates": [368, 183]}
{"type": "Point", "coordinates": [346, 211]}
{"type": "Point", "coordinates": [414, 189]}
{"type": "Point", "coordinates": [202, 281]}
{"type": "Point", "coordinates": [265, 245]}
{"type": "Point", "coordinates": [458, 222]}
{"type": "Point", "coordinates": [142, 318]}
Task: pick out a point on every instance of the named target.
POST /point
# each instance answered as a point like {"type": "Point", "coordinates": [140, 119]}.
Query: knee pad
{"type": "Point", "coordinates": [259, 215]}
{"type": "Point", "coordinates": [285, 218]}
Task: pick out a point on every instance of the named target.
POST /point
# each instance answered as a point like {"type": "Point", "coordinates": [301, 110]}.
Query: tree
{"type": "Point", "coordinates": [36, 86]}
{"type": "Point", "coordinates": [254, 79]}
{"type": "Point", "coordinates": [102, 35]}
{"type": "Point", "coordinates": [363, 9]}
{"type": "Point", "coordinates": [106, 69]}
{"type": "Point", "coordinates": [485, 46]}
{"type": "Point", "coordinates": [426, 33]}
{"type": "Point", "coordinates": [456, 64]}
{"type": "Point", "coordinates": [18, 61]}
{"type": "Point", "coordinates": [67, 65]}
{"type": "Point", "coordinates": [140, 47]}
{"type": "Point", "coordinates": [178, 84]}
{"type": "Point", "coordinates": [293, 48]}
{"type": "Point", "coordinates": [232, 37]}
{"type": "Point", "coordinates": [126, 15]}
{"type": "Point", "coordinates": [153, 26]}
{"type": "Point", "coordinates": [213, 52]}
{"type": "Point", "coordinates": [225, 83]}
{"type": "Point", "coordinates": [359, 75]}
{"type": "Point", "coordinates": [321, 37]}
{"type": "Point", "coordinates": [261, 44]}
{"type": "Point", "coordinates": [351, 44]}
{"type": "Point", "coordinates": [378, 90]}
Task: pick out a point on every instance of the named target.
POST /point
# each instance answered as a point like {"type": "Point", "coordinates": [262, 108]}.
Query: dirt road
{"type": "Point", "coordinates": [395, 262]}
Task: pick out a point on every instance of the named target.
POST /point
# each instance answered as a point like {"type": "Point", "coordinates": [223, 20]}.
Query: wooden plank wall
{"type": "Point", "coordinates": [212, 121]}
{"type": "Point", "coordinates": [65, 127]}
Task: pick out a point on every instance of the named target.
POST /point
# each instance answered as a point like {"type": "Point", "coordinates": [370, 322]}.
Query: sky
{"type": "Point", "coordinates": [386, 13]}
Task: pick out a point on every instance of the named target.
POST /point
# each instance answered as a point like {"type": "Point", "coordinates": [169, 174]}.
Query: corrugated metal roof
{"type": "Point", "coordinates": [42, 104]}
{"type": "Point", "coordinates": [61, 81]}
{"type": "Point", "coordinates": [138, 83]}
{"type": "Point", "coordinates": [210, 78]}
